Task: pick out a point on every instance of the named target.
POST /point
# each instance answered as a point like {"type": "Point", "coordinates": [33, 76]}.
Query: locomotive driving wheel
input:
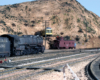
{"type": "Point", "coordinates": [36, 51]}
{"type": "Point", "coordinates": [18, 53]}
{"type": "Point", "coordinates": [42, 49]}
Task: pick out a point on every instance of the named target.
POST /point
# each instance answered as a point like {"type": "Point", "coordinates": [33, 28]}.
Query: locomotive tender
{"type": "Point", "coordinates": [20, 45]}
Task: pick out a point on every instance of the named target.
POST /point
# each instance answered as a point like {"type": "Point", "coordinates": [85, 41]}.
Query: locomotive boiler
{"type": "Point", "coordinates": [20, 45]}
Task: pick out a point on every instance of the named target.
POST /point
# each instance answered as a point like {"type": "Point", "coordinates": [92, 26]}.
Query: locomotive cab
{"type": "Point", "coordinates": [13, 42]}
{"type": "Point", "coordinates": [4, 47]}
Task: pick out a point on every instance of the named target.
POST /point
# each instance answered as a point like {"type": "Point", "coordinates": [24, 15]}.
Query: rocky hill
{"type": "Point", "coordinates": [67, 16]}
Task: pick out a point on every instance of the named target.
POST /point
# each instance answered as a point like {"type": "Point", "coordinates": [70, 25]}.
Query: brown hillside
{"type": "Point", "coordinates": [67, 16]}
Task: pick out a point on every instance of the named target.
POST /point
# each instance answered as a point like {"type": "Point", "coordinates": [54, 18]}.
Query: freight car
{"type": "Point", "coordinates": [20, 45]}
{"type": "Point", "coordinates": [63, 43]}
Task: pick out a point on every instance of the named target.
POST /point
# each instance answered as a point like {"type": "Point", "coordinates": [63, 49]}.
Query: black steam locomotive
{"type": "Point", "coordinates": [20, 45]}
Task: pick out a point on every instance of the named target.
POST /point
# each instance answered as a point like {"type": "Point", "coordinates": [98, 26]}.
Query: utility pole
{"type": "Point", "coordinates": [46, 25]}
{"type": "Point", "coordinates": [86, 36]}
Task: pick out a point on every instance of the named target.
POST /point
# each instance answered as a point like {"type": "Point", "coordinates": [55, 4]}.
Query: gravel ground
{"type": "Point", "coordinates": [79, 70]}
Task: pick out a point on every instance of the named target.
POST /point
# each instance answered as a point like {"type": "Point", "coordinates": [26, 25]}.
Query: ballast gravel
{"type": "Point", "coordinates": [78, 69]}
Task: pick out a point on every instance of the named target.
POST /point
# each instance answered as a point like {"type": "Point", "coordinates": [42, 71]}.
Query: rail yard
{"type": "Point", "coordinates": [32, 67]}
{"type": "Point", "coordinates": [49, 40]}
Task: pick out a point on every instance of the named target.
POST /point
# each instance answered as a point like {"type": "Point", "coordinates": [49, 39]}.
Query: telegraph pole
{"type": "Point", "coordinates": [45, 34]}
{"type": "Point", "coordinates": [46, 25]}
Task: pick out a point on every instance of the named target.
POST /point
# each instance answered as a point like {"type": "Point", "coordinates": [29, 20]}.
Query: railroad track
{"type": "Point", "coordinates": [48, 53]}
{"type": "Point", "coordinates": [42, 65]}
{"type": "Point", "coordinates": [93, 69]}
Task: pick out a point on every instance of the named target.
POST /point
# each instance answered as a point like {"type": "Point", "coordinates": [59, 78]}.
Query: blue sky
{"type": "Point", "coordinates": [91, 5]}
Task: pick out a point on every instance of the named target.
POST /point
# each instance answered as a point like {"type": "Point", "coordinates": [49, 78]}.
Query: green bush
{"type": "Point", "coordinates": [3, 29]}
{"type": "Point", "coordinates": [86, 40]}
{"type": "Point", "coordinates": [13, 24]}
{"type": "Point", "coordinates": [77, 38]}
{"type": "Point", "coordinates": [99, 36]}
{"type": "Point", "coordinates": [68, 10]}
{"type": "Point", "coordinates": [85, 23]}
{"type": "Point", "coordinates": [26, 24]}
{"type": "Point", "coordinates": [80, 30]}
{"type": "Point", "coordinates": [2, 22]}
{"type": "Point", "coordinates": [29, 9]}
{"type": "Point", "coordinates": [7, 8]}
{"type": "Point", "coordinates": [26, 7]}
{"type": "Point", "coordinates": [67, 21]}
{"type": "Point", "coordinates": [14, 5]}
{"type": "Point", "coordinates": [55, 19]}
{"type": "Point", "coordinates": [19, 33]}
{"type": "Point", "coordinates": [32, 25]}
{"type": "Point", "coordinates": [85, 35]}
{"type": "Point", "coordinates": [89, 29]}
{"type": "Point", "coordinates": [78, 20]}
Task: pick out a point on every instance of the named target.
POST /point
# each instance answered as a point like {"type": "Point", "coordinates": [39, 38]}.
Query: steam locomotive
{"type": "Point", "coordinates": [11, 45]}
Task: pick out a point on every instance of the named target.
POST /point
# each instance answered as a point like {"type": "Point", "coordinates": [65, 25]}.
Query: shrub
{"type": "Point", "coordinates": [29, 9]}
{"type": "Point", "coordinates": [65, 14]}
{"type": "Point", "coordinates": [85, 35]}
{"type": "Point", "coordinates": [80, 30]}
{"type": "Point", "coordinates": [26, 24]}
{"type": "Point", "coordinates": [78, 20]}
{"type": "Point", "coordinates": [86, 40]}
{"type": "Point", "coordinates": [19, 33]}
{"type": "Point", "coordinates": [15, 33]}
{"type": "Point", "coordinates": [3, 29]}
{"type": "Point", "coordinates": [99, 36]}
{"type": "Point", "coordinates": [2, 22]}
{"type": "Point", "coordinates": [89, 29]}
{"type": "Point", "coordinates": [14, 5]}
{"type": "Point", "coordinates": [46, 13]}
{"type": "Point", "coordinates": [38, 21]}
{"type": "Point", "coordinates": [7, 8]}
{"type": "Point", "coordinates": [54, 19]}
{"type": "Point", "coordinates": [13, 24]}
{"type": "Point", "coordinates": [26, 7]}
{"type": "Point", "coordinates": [77, 38]}
{"type": "Point", "coordinates": [61, 33]}
{"type": "Point", "coordinates": [25, 21]}
{"type": "Point", "coordinates": [85, 23]}
{"type": "Point", "coordinates": [89, 36]}
{"type": "Point", "coordinates": [32, 25]}
{"type": "Point", "coordinates": [33, 21]}
{"type": "Point", "coordinates": [67, 21]}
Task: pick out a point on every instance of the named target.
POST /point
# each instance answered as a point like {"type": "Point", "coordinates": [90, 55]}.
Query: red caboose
{"type": "Point", "coordinates": [64, 43]}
